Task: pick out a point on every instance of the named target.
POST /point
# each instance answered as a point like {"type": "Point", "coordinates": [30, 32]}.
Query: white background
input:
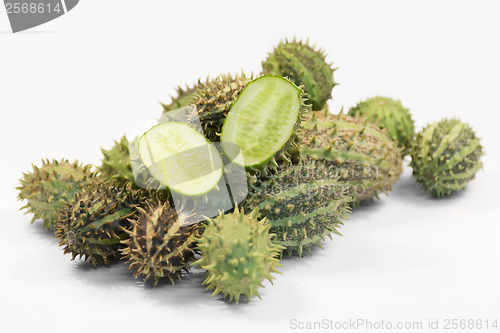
{"type": "Point", "coordinates": [73, 85]}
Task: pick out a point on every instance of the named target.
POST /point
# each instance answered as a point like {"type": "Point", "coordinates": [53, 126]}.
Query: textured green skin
{"type": "Point", "coordinates": [303, 203]}
{"type": "Point", "coordinates": [237, 254]}
{"type": "Point", "coordinates": [92, 226]}
{"type": "Point", "coordinates": [116, 163]}
{"type": "Point", "coordinates": [213, 100]}
{"type": "Point", "coordinates": [282, 157]}
{"type": "Point", "coordinates": [365, 158]}
{"type": "Point", "coordinates": [159, 245]}
{"type": "Point", "coordinates": [304, 66]}
{"type": "Point", "coordinates": [388, 113]}
{"type": "Point", "coordinates": [446, 155]}
{"type": "Point", "coordinates": [50, 187]}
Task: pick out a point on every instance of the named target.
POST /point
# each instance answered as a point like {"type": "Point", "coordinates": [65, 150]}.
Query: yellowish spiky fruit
{"type": "Point", "coordinates": [51, 187]}
{"type": "Point", "coordinates": [160, 244]}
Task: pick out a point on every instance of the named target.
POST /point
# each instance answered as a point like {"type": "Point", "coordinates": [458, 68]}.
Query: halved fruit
{"type": "Point", "coordinates": [262, 120]}
{"type": "Point", "coordinates": [181, 158]}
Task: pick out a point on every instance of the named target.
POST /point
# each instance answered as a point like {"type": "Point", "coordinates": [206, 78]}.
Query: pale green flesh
{"type": "Point", "coordinates": [180, 158]}
{"type": "Point", "coordinates": [262, 120]}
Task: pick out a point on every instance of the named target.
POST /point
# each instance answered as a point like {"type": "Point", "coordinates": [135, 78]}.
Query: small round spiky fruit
{"type": "Point", "coordinates": [303, 203]}
{"type": "Point", "coordinates": [446, 155]}
{"type": "Point", "coordinates": [238, 254]}
{"type": "Point", "coordinates": [362, 155]}
{"type": "Point", "coordinates": [213, 100]}
{"type": "Point", "coordinates": [51, 187]}
{"type": "Point", "coordinates": [388, 113]}
{"type": "Point", "coordinates": [116, 163]}
{"type": "Point", "coordinates": [304, 66]}
{"type": "Point", "coordinates": [160, 244]}
{"type": "Point", "coordinates": [92, 226]}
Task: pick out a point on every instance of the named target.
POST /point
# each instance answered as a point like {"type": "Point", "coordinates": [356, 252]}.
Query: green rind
{"type": "Point", "coordinates": [192, 135]}
{"type": "Point", "coordinates": [390, 114]}
{"type": "Point", "coordinates": [305, 66]}
{"type": "Point", "coordinates": [303, 203]}
{"type": "Point", "coordinates": [277, 156]}
{"type": "Point", "coordinates": [446, 155]}
{"type": "Point", "coordinates": [237, 254]}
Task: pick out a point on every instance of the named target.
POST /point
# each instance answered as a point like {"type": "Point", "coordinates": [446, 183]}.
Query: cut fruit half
{"type": "Point", "coordinates": [262, 120]}
{"type": "Point", "coordinates": [181, 158]}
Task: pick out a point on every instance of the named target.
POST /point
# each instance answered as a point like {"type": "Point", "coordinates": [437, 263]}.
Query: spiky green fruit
{"type": "Point", "coordinates": [365, 158]}
{"type": "Point", "coordinates": [390, 114]}
{"type": "Point", "coordinates": [50, 187]}
{"type": "Point", "coordinates": [116, 163]}
{"type": "Point", "coordinates": [213, 100]}
{"type": "Point", "coordinates": [92, 226]}
{"type": "Point", "coordinates": [238, 254]}
{"type": "Point", "coordinates": [303, 203]}
{"type": "Point", "coordinates": [184, 96]}
{"type": "Point", "coordinates": [262, 123]}
{"type": "Point", "coordinates": [446, 155]}
{"type": "Point", "coordinates": [304, 66]}
{"type": "Point", "coordinates": [160, 244]}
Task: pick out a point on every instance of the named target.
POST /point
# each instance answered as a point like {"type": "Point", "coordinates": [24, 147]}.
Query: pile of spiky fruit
{"type": "Point", "coordinates": [306, 169]}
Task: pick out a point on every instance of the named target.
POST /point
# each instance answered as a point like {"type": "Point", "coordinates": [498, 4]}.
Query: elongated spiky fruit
{"type": "Point", "coordinates": [303, 203]}
{"type": "Point", "coordinates": [213, 100]}
{"type": "Point", "coordinates": [305, 67]}
{"type": "Point", "coordinates": [160, 245]}
{"type": "Point", "coordinates": [50, 187]}
{"type": "Point", "coordinates": [388, 113]}
{"type": "Point", "coordinates": [446, 155]}
{"type": "Point", "coordinates": [365, 158]}
{"type": "Point", "coordinates": [116, 163]}
{"type": "Point", "coordinates": [92, 226]}
{"type": "Point", "coordinates": [238, 254]}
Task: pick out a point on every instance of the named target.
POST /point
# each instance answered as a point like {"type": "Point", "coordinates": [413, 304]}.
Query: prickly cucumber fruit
{"type": "Point", "coordinates": [237, 254]}
{"type": "Point", "coordinates": [388, 113]}
{"type": "Point", "coordinates": [50, 187]}
{"type": "Point", "coordinates": [303, 203]}
{"type": "Point", "coordinates": [306, 67]}
{"type": "Point", "coordinates": [446, 155]}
